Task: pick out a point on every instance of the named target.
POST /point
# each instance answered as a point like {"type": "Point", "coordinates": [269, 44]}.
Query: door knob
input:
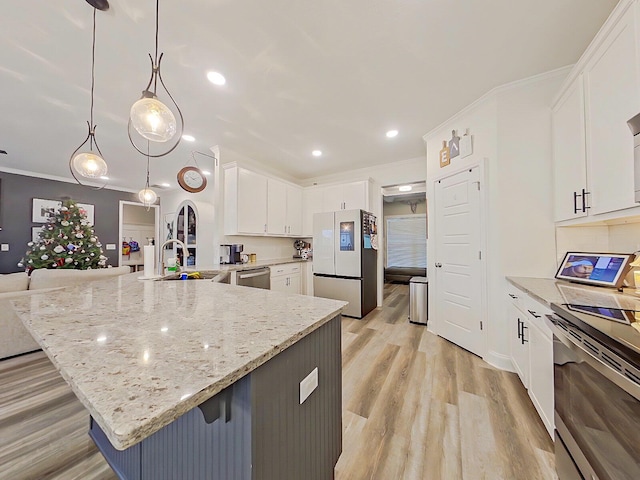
{"type": "Point", "coordinates": [438, 265]}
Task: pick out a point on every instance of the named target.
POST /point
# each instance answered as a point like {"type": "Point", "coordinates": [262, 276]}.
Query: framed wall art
{"type": "Point", "coordinates": [89, 209]}
{"type": "Point", "coordinates": [43, 208]}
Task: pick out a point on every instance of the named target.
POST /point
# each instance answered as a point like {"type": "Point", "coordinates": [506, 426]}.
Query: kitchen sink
{"type": "Point", "coordinates": [217, 277]}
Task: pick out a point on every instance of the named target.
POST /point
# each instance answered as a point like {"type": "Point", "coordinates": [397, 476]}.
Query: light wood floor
{"type": "Point", "coordinates": [414, 407]}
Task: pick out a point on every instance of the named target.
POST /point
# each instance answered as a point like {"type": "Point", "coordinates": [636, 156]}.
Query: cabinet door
{"type": "Point", "coordinates": [612, 89]}
{"type": "Point", "coordinates": [569, 157]}
{"type": "Point", "coordinates": [332, 200]}
{"type": "Point", "coordinates": [252, 202]}
{"type": "Point", "coordinates": [355, 196]}
{"type": "Point", "coordinates": [295, 283]}
{"type": "Point", "coordinates": [294, 210]}
{"type": "Point", "coordinates": [276, 207]}
{"type": "Point", "coordinates": [541, 374]}
{"type": "Point", "coordinates": [311, 204]}
{"type": "Point", "coordinates": [519, 348]}
{"type": "Point", "coordinates": [279, 283]}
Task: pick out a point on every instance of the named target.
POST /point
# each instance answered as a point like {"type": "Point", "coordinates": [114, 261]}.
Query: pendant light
{"type": "Point", "coordinates": [89, 163]}
{"type": "Point", "coordinates": [147, 196]}
{"type": "Point", "coordinates": [149, 117]}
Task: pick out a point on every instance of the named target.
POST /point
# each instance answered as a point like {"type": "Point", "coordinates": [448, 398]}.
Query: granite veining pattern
{"type": "Point", "coordinates": [139, 354]}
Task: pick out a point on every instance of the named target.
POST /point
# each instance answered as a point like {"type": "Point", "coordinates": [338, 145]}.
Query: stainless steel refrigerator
{"type": "Point", "coordinates": [344, 261]}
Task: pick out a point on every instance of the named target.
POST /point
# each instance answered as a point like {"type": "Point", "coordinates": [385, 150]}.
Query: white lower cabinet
{"type": "Point", "coordinates": [532, 352]}
{"type": "Point", "coordinates": [286, 278]}
{"type": "Point", "coordinates": [541, 374]}
{"type": "Point", "coordinates": [519, 343]}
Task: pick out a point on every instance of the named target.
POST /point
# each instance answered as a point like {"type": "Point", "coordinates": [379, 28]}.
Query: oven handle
{"type": "Point", "coordinates": [609, 373]}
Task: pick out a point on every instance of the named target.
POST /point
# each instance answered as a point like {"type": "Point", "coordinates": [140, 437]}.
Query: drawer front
{"type": "Point", "coordinates": [285, 269]}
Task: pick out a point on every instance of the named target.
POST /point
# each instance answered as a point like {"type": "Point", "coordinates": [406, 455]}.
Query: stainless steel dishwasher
{"type": "Point", "coordinates": [256, 277]}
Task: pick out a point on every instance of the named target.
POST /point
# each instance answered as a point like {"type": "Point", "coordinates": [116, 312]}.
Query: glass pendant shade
{"type": "Point", "coordinates": [89, 165]}
{"type": "Point", "coordinates": [153, 120]}
{"type": "Point", "coordinates": [147, 196]}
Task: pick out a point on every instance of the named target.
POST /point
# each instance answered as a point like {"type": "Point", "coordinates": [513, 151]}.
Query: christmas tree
{"type": "Point", "coordinates": [66, 241]}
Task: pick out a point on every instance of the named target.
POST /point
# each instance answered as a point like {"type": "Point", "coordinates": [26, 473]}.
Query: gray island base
{"type": "Point", "coordinates": [256, 428]}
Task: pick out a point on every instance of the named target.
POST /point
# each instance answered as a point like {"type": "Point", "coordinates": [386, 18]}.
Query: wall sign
{"type": "Point", "coordinates": [444, 155]}
{"type": "Point", "coordinates": [466, 145]}
{"type": "Point", "coordinates": [454, 145]}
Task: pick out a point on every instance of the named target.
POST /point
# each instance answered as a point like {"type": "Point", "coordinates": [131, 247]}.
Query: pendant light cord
{"type": "Point", "coordinates": [147, 185]}
{"type": "Point", "coordinates": [157, 28]}
{"type": "Point", "coordinates": [93, 72]}
{"type": "Point", "coordinates": [155, 82]}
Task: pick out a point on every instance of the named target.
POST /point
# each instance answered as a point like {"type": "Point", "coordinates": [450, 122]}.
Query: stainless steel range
{"type": "Point", "coordinates": [597, 392]}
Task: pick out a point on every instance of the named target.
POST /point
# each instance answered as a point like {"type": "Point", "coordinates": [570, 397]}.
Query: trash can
{"type": "Point", "coordinates": [418, 300]}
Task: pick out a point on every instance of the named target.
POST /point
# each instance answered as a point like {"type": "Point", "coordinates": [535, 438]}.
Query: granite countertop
{"type": "Point", "coordinates": [139, 354]}
{"type": "Point", "coordinates": [550, 290]}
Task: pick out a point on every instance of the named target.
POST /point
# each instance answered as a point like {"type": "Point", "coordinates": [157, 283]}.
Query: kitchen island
{"type": "Point", "coordinates": [195, 379]}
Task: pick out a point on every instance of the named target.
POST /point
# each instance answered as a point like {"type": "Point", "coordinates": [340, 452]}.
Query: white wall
{"type": "Point", "coordinates": [511, 129]}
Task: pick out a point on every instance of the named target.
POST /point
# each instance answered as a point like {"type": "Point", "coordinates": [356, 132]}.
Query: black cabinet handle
{"type": "Point", "coordinates": [533, 313]}
{"type": "Point", "coordinates": [513, 296]}
{"type": "Point", "coordinates": [575, 202]}
{"type": "Point", "coordinates": [519, 332]}
{"type": "Point", "coordinates": [584, 200]}
{"type": "Point", "coordinates": [522, 338]}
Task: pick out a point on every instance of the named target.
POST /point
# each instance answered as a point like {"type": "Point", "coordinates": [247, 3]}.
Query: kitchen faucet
{"type": "Point", "coordinates": [185, 253]}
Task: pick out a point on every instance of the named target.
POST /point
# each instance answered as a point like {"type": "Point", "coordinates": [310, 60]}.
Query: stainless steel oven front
{"type": "Point", "coordinates": [597, 407]}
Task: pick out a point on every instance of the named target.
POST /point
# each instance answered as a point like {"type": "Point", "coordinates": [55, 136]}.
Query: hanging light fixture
{"type": "Point", "coordinates": [149, 117]}
{"type": "Point", "coordinates": [89, 163]}
{"type": "Point", "coordinates": [147, 196]}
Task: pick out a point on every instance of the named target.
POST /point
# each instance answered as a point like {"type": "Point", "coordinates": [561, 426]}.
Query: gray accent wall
{"type": "Point", "coordinates": [16, 201]}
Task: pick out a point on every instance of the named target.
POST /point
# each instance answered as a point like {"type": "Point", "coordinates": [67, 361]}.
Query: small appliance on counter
{"type": "Point", "coordinates": [236, 252]}
{"type": "Point", "coordinates": [225, 254]}
{"type": "Point", "coordinates": [303, 249]}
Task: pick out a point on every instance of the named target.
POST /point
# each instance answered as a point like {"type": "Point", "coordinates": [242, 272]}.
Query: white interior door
{"type": "Point", "coordinates": [458, 264]}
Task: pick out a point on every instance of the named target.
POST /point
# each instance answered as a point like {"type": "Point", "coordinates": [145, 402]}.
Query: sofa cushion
{"type": "Point", "coordinates": [14, 282]}
{"type": "Point", "coordinates": [49, 278]}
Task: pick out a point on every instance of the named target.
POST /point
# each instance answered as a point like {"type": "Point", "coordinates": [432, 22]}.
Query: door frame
{"type": "Point", "coordinates": [433, 324]}
{"type": "Point", "coordinates": [120, 218]}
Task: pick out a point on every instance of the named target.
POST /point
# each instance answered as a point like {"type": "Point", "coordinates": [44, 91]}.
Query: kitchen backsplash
{"type": "Point", "coordinates": [618, 238]}
{"type": "Point", "coordinates": [265, 248]}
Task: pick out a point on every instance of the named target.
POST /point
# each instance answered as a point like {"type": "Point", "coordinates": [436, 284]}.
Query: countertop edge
{"type": "Point", "coordinates": [518, 282]}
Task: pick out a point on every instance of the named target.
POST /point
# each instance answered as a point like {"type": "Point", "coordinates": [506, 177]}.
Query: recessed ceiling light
{"type": "Point", "coordinates": [206, 172]}
{"type": "Point", "coordinates": [405, 188]}
{"type": "Point", "coordinates": [104, 177]}
{"type": "Point", "coordinates": [164, 329]}
{"type": "Point", "coordinates": [317, 153]}
{"type": "Point", "coordinates": [188, 138]}
{"type": "Point", "coordinates": [166, 185]}
{"type": "Point", "coordinates": [392, 133]}
{"type": "Point", "coordinates": [216, 78]}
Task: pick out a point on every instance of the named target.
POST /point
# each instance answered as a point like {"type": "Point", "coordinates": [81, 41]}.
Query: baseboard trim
{"type": "Point", "coordinates": [498, 360]}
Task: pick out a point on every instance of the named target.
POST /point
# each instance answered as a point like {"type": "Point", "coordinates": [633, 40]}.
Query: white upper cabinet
{"type": "Point", "coordinates": [255, 204]}
{"type": "Point", "coordinates": [332, 198]}
{"type": "Point", "coordinates": [245, 205]}
{"type": "Point", "coordinates": [312, 204]}
{"type": "Point", "coordinates": [276, 207]}
{"type": "Point", "coordinates": [569, 158]}
{"type": "Point", "coordinates": [612, 96]}
{"type": "Point", "coordinates": [355, 195]}
{"type": "Point", "coordinates": [294, 210]}
{"type": "Point", "coordinates": [592, 144]}
{"type": "Point", "coordinates": [346, 196]}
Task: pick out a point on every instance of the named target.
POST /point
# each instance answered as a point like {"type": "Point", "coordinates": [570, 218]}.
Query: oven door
{"type": "Point", "coordinates": [597, 408]}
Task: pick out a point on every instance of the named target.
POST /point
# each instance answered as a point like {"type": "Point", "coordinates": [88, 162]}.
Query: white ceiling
{"type": "Point", "coordinates": [333, 75]}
